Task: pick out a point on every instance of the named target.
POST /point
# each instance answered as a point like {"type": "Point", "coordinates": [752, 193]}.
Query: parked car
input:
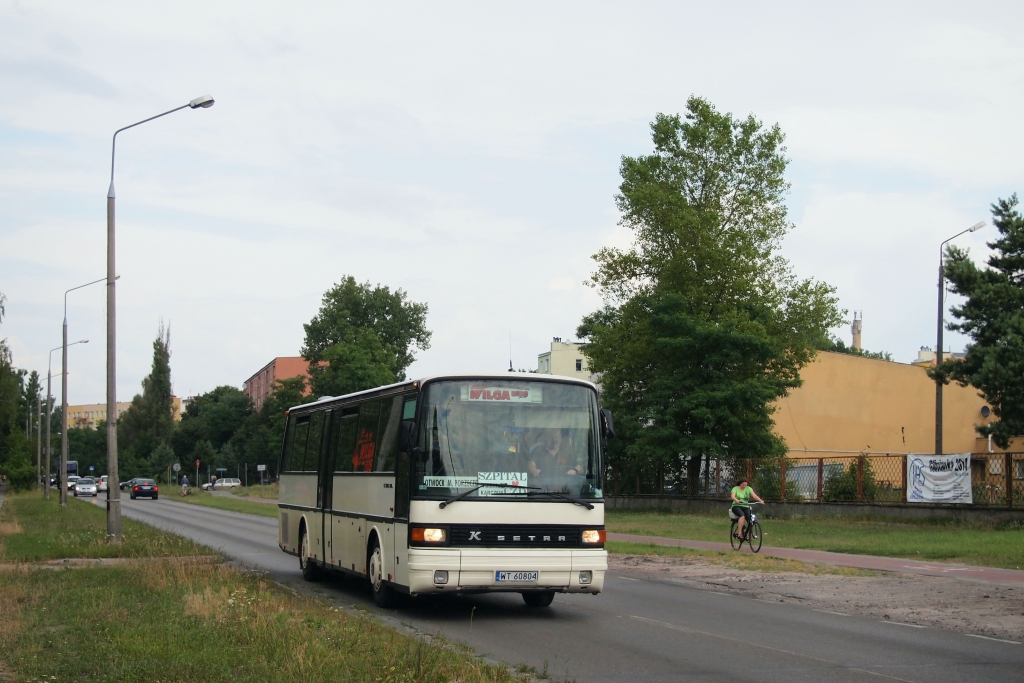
{"type": "Point", "coordinates": [125, 485]}
{"type": "Point", "coordinates": [72, 478]}
{"type": "Point", "coordinates": [225, 483]}
{"type": "Point", "coordinates": [101, 485]}
{"type": "Point", "coordinates": [144, 488]}
{"type": "Point", "coordinates": [86, 486]}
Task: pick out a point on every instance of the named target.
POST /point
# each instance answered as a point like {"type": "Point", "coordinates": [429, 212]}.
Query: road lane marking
{"type": "Point", "coordinates": [748, 643]}
{"type": "Point", "coordinates": [900, 623]}
{"type": "Point", "coordinates": [626, 578]}
{"type": "Point", "coordinates": [826, 611]}
{"type": "Point", "coordinates": [720, 593]}
{"type": "Point", "coordinates": [998, 640]}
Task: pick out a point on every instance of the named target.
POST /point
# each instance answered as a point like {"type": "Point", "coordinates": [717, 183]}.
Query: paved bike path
{"type": "Point", "coordinates": [1013, 577]}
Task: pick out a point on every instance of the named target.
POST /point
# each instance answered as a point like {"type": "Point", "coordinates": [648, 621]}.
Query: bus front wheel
{"type": "Point", "coordinates": [310, 572]}
{"type": "Point", "coordinates": [383, 594]}
{"type": "Point", "coordinates": [538, 598]}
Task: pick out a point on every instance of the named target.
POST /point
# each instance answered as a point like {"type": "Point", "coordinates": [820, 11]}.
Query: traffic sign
{"type": "Point", "coordinates": [261, 468]}
{"type": "Point", "coordinates": [197, 463]}
{"type": "Point", "coordinates": [176, 467]}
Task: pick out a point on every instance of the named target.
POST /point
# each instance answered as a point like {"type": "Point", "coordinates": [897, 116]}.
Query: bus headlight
{"type": "Point", "coordinates": [593, 536]}
{"type": "Point", "coordinates": [586, 577]}
{"type": "Point", "coordinates": [428, 535]}
{"type": "Point", "coordinates": [441, 577]}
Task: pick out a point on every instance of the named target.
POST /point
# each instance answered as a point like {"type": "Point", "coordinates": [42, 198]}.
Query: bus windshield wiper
{"type": "Point", "coordinates": [465, 493]}
{"type": "Point", "coordinates": [567, 498]}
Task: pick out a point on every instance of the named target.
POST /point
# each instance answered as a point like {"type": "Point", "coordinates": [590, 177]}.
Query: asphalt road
{"type": "Point", "coordinates": [638, 629]}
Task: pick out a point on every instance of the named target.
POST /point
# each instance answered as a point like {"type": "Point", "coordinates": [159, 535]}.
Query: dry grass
{"type": "Point", "coordinates": [7, 528]}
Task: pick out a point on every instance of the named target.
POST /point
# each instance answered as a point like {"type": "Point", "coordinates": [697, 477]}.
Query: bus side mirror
{"type": "Point", "coordinates": [406, 434]}
{"type": "Point", "coordinates": [607, 425]}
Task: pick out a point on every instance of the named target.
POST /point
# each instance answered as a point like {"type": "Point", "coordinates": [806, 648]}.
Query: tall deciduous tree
{"type": "Point", "coordinates": [993, 317]}
{"type": "Point", "coordinates": [362, 337]}
{"type": "Point", "coordinates": [149, 420]}
{"type": "Point", "coordinates": [705, 325]}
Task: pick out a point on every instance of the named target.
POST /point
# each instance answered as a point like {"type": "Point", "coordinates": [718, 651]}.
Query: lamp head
{"type": "Point", "coordinates": [82, 341]}
{"type": "Point", "coordinates": [204, 101]}
{"type": "Point", "coordinates": [978, 226]}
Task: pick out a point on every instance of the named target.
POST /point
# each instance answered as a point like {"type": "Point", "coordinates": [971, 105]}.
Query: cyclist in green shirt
{"type": "Point", "coordinates": [741, 495]}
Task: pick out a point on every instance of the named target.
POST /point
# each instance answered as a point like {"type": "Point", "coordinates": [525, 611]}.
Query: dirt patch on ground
{"type": "Point", "coordinates": [954, 604]}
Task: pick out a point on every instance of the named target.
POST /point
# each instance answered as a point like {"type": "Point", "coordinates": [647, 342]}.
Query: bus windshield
{"type": "Point", "coordinates": [511, 438]}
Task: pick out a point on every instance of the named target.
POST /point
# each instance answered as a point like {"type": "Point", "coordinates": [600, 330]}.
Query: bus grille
{"type": "Point", "coordinates": [515, 536]}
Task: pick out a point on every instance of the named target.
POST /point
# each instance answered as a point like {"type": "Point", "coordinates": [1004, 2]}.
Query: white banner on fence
{"type": "Point", "coordinates": [939, 478]}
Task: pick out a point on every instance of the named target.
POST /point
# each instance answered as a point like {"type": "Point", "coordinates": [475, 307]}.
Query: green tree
{"type": "Point", "coordinates": [704, 324]}
{"type": "Point", "coordinates": [205, 454]}
{"type": "Point", "coordinates": [89, 447]}
{"type": "Point", "coordinates": [838, 346]}
{"type": "Point", "coordinates": [13, 444]}
{"type": "Point", "coordinates": [993, 317]}
{"type": "Point", "coordinates": [362, 337]}
{"type": "Point", "coordinates": [258, 440]}
{"type": "Point", "coordinates": [214, 416]}
{"type": "Point", "coordinates": [161, 458]}
{"type": "Point", "coordinates": [149, 420]}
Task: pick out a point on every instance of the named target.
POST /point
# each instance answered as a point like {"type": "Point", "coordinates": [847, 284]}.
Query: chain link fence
{"type": "Point", "coordinates": [997, 479]}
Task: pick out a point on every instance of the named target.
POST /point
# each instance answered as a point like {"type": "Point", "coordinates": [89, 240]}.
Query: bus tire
{"type": "Point", "coordinates": [538, 598]}
{"type": "Point", "coordinates": [383, 594]}
{"type": "Point", "coordinates": [310, 572]}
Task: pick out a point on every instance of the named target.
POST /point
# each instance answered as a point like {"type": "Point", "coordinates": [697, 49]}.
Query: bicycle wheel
{"type": "Point", "coordinates": [755, 536]}
{"type": "Point", "coordinates": [735, 542]}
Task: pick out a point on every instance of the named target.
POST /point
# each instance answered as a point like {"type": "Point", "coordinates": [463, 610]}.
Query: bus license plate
{"type": "Point", "coordinates": [517, 577]}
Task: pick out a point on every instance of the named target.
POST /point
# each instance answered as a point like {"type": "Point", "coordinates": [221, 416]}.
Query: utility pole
{"type": "Point", "coordinates": [39, 445]}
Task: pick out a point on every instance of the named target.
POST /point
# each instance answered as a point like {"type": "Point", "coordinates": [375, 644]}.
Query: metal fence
{"type": "Point", "coordinates": [997, 479]}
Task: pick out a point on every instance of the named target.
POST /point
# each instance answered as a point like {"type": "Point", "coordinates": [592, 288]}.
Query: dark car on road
{"type": "Point", "coordinates": [144, 488]}
{"type": "Point", "coordinates": [127, 485]}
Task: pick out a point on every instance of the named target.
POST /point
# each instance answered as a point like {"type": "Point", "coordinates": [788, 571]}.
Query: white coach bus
{"type": "Point", "coordinates": [456, 484]}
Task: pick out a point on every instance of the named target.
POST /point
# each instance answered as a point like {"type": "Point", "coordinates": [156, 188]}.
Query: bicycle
{"type": "Point", "coordinates": [186, 491]}
{"type": "Point", "coordinates": [751, 532]}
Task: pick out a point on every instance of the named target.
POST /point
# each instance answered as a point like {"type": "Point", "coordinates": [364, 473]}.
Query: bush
{"type": "Point", "coordinates": [17, 465]}
{"type": "Point", "coordinates": [843, 486]}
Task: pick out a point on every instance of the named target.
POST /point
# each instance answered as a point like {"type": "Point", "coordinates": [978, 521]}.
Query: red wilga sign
{"type": "Point", "coordinates": [517, 393]}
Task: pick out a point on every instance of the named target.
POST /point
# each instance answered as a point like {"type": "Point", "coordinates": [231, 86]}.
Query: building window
{"type": "Point", "coordinates": [579, 365]}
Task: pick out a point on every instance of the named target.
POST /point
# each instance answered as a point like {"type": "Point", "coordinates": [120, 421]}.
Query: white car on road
{"type": "Point", "coordinates": [101, 486]}
{"type": "Point", "coordinates": [86, 486]}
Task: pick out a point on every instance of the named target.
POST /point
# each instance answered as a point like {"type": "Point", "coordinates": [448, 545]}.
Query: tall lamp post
{"type": "Point", "coordinates": [62, 475]}
{"type": "Point", "coordinates": [113, 485]}
{"type": "Point", "coordinates": [64, 387]}
{"type": "Point", "coordinates": [938, 335]}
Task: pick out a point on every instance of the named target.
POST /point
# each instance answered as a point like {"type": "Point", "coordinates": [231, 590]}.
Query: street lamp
{"type": "Point", "coordinates": [63, 474]}
{"type": "Point", "coordinates": [938, 336]}
{"type": "Point", "coordinates": [64, 387]}
{"type": "Point", "coordinates": [113, 485]}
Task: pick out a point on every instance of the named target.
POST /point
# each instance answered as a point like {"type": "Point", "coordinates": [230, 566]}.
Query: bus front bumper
{"type": "Point", "coordinates": [476, 570]}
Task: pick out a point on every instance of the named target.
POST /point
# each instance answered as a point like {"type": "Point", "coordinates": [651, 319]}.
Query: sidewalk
{"type": "Point", "coordinates": [993, 575]}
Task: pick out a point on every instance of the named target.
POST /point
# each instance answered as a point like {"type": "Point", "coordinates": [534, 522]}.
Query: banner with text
{"type": "Point", "coordinates": [939, 478]}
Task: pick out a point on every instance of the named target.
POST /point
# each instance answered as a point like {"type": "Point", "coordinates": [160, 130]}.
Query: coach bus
{"type": "Point", "coordinates": [454, 484]}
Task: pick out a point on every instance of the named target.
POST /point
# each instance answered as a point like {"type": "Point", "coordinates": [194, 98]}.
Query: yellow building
{"type": "Point", "coordinates": [86, 416]}
{"type": "Point", "coordinates": [564, 359]}
{"type": "Point", "coordinates": [851, 404]}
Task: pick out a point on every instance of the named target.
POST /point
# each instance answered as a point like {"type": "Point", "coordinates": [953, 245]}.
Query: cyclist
{"type": "Point", "coordinates": [741, 495]}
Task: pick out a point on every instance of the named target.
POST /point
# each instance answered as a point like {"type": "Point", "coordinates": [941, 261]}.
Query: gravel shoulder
{"type": "Point", "coordinates": [964, 606]}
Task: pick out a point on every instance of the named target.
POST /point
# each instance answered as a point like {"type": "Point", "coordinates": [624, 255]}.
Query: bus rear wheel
{"type": "Point", "coordinates": [538, 598]}
{"type": "Point", "coordinates": [383, 594]}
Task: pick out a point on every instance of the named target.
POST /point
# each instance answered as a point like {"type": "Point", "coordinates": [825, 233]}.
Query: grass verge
{"type": "Point", "coordinates": [734, 560]}
{"type": "Point", "coordinates": [227, 503]}
{"type": "Point", "coordinates": [270, 491]}
{"type": "Point", "coordinates": [975, 543]}
{"type": "Point", "coordinates": [192, 622]}
{"type": "Point", "coordinates": [33, 529]}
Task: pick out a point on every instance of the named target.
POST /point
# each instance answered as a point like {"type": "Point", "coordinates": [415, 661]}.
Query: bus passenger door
{"type": "Point", "coordinates": [343, 441]}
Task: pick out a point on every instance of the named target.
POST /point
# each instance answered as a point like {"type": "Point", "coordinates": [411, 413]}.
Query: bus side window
{"type": "Point", "coordinates": [402, 464]}
{"type": "Point", "coordinates": [311, 463]}
{"type": "Point", "coordinates": [345, 443]}
{"type": "Point", "coordinates": [295, 444]}
{"type": "Point", "coordinates": [387, 449]}
{"type": "Point", "coordinates": [366, 443]}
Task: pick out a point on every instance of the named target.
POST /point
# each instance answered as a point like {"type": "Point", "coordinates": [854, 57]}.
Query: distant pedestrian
{"type": "Point", "coordinates": [184, 483]}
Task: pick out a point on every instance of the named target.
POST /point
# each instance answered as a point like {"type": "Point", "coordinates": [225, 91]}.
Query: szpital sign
{"type": "Point", "coordinates": [939, 478]}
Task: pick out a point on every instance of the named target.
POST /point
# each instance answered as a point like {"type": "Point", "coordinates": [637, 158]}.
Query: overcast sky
{"type": "Point", "coordinates": [467, 153]}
